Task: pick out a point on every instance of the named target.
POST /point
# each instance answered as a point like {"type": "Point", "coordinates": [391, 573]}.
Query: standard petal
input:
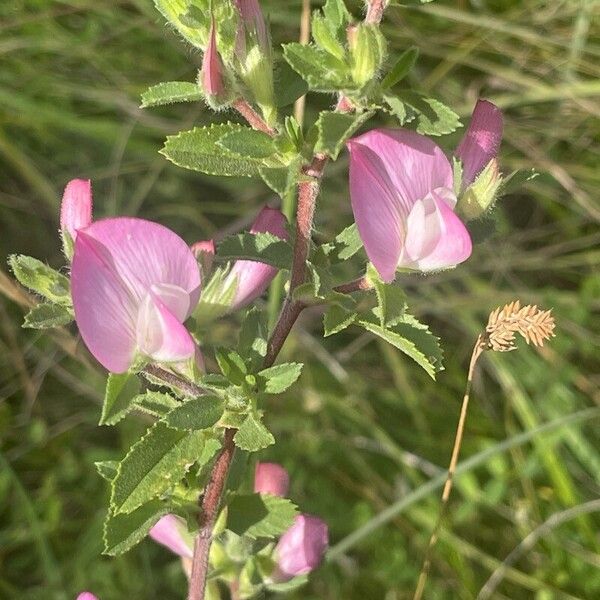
{"type": "Point", "coordinates": [481, 142]}
{"type": "Point", "coordinates": [270, 220]}
{"type": "Point", "coordinates": [271, 478]}
{"type": "Point", "coordinates": [87, 596]}
{"type": "Point", "coordinates": [145, 254]}
{"type": "Point", "coordinates": [160, 335]}
{"type": "Point", "coordinates": [171, 532]}
{"type": "Point", "coordinates": [436, 238]}
{"type": "Point", "coordinates": [76, 206]}
{"type": "Point", "coordinates": [105, 310]}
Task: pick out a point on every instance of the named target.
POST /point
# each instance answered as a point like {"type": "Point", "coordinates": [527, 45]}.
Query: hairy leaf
{"type": "Point", "coordinates": [336, 319]}
{"type": "Point", "coordinates": [253, 435]}
{"type": "Point", "coordinates": [47, 316]}
{"type": "Point", "coordinates": [107, 469]}
{"type": "Point", "coordinates": [248, 143]}
{"type": "Point", "coordinates": [41, 279]}
{"type": "Point", "coordinates": [279, 378]}
{"type": "Point", "coordinates": [261, 247]}
{"type": "Point", "coordinates": [335, 128]}
{"type": "Point", "coordinates": [196, 414]}
{"type": "Point", "coordinates": [121, 389]}
{"type": "Point", "coordinates": [260, 515]}
{"type": "Point", "coordinates": [169, 92]}
{"type": "Point", "coordinates": [253, 338]}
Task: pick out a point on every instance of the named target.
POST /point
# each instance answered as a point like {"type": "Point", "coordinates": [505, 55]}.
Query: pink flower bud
{"type": "Point", "coordinates": [271, 478]}
{"type": "Point", "coordinates": [301, 548]}
{"type": "Point", "coordinates": [204, 251]}
{"type": "Point", "coordinates": [134, 283]}
{"type": "Point", "coordinates": [212, 67]}
{"type": "Point", "coordinates": [481, 142]}
{"type": "Point", "coordinates": [86, 596]}
{"type": "Point", "coordinates": [171, 532]}
{"type": "Point", "coordinates": [253, 278]}
{"type": "Point", "coordinates": [401, 193]}
{"type": "Point", "coordinates": [254, 21]}
{"type": "Point", "coordinates": [76, 207]}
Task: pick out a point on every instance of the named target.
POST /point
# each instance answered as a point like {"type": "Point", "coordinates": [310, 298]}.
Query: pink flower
{"type": "Point", "coordinates": [171, 532]}
{"type": "Point", "coordinates": [253, 22]}
{"type": "Point", "coordinates": [204, 251]}
{"type": "Point", "coordinates": [401, 193]}
{"type": "Point", "coordinates": [134, 283]}
{"type": "Point", "coordinates": [301, 548]}
{"type": "Point", "coordinates": [481, 142]}
{"type": "Point", "coordinates": [86, 596]}
{"type": "Point", "coordinates": [271, 478]}
{"type": "Point", "coordinates": [253, 278]}
{"type": "Point", "coordinates": [212, 67]}
{"type": "Point", "coordinates": [76, 207]}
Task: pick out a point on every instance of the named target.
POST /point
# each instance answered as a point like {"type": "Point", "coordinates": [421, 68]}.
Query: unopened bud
{"type": "Point", "coordinates": [481, 194]}
{"type": "Point", "coordinates": [367, 46]}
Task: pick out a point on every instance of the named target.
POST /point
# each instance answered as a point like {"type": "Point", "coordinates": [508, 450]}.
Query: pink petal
{"type": "Point", "coordinates": [436, 238]}
{"type": "Point", "coordinates": [212, 68]}
{"type": "Point", "coordinates": [254, 22]}
{"type": "Point", "coordinates": [253, 278]}
{"type": "Point", "coordinates": [171, 532]}
{"type": "Point", "coordinates": [76, 206]}
{"type": "Point", "coordinates": [271, 478]}
{"type": "Point", "coordinates": [301, 548]}
{"type": "Point", "coordinates": [481, 142]}
{"type": "Point", "coordinates": [160, 334]}
{"type": "Point", "coordinates": [390, 170]}
{"type": "Point", "coordinates": [146, 253]}
{"type": "Point", "coordinates": [86, 596]}
{"type": "Point", "coordinates": [105, 310]}
{"type": "Point", "coordinates": [204, 251]}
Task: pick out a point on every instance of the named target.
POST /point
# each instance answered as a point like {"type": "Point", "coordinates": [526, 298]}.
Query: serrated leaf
{"type": "Point", "coordinates": [391, 300]}
{"type": "Point", "coordinates": [252, 435]}
{"type": "Point", "coordinates": [262, 247]}
{"type": "Point", "coordinates": [253, 338]}
{"type": "Point", "coordinates": [174, 11]}
{"type": "Point", "coordinates": [336, 319]}
{"type": "Point", "coordinates": [169, 92]}
{"type": "Point", "coordinates": [279, 378]}
{"type": "Point", "coordinates": [196, 414]}
{"type": "Point", "coordinates": [47, 316]}
{"type": "Point", "coordinates": [260, 515]}
{"type": "Point", "coordinates": [123, 531]}
{"type": "Point", "coordinates": [432, 116]}
{"type": "Point", "coordinates": [41, 279]}
{"type": "Point", "coordinates": [198, 149]}
{"type": "Point", "coordinates": [337, 14]}
{"type": "Point", "coordinates": [232, 365]}
{"type": "Point", "coordinates": [324, 34]}
{"type": "Point", "coordinates": [412, 338]}
{"type": "Point", "coordinates": [402, 68]}
{"type": "Point", "coordinates": [282, 180]}
{"type": "Point", "coordinates": [154, 464]}
{"type": "Point", "coordinates": [322, 71]}
{"type": "Point", "coordinates": [335, 128]}
{"type": "Point", "coordinates": [289, 86]}
{"type": "Point", "coordinates": [121, 389]}
{"type": "Point", "coordinates": [344, 246]}
{"type": "Point", "coordinates": [156, 404]}
{"type": "Point", "coordinates": [107, 469]}
{"type": "Point", "coordinates": [247, 142]}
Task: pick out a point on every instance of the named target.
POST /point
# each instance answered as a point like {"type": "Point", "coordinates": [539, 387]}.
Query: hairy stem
{"type": "Point", "coordinates": [477, 350]}
{"type": "Point", "coordinates": [362, 283]}
{"type": "Point", "coordinates": [254, 119]}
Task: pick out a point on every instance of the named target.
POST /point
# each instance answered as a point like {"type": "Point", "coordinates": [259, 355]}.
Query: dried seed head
{"type": "Point", "coordinates": [533, 324]}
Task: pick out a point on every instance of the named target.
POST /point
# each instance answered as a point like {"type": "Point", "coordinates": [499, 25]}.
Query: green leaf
{"type": "Point", "coordinates": [325, 36]}
{"type": "Point", "coordinates": [322, 71]}
{"type": "Point", "coordinates": [41, 279]}
{"type": "Point", "coordinates": [217, 297]}
{"type": "Point", "coordinates": [260, 515]}
{"type": "Point", "coordinates": [412, 338]}
{"type": "Point", "coordinates": [289, 86]}
{"type": "Point", "coordinates": [199, 150]}
{"type": "Point", "coordinates": [122, 532]}
{"type": "Point", "coordinates": [337, 14]}
{"type": "Point", "coordinates": [121, 389]}
{"type": "Point", "coordinates": [336, 319]}
{"type": "Point", "coordinates": [196, 414]}
{"type": "Point", "coordinates": [391, 300]}
{"type": "Point", "coordinates": [232, 365]}
{"type": "Point", "coordinates": [262, 247]}
{"type": "Point", "coordinates": [402, 68]}
{"type": "Point", "coordinates": [156, 404]}
{"type": "Point", "coordinates": [282, 179]}
{"type": "Point", "coordinates": [170, 92]}
{"type": "Point", "coordinates": [279, 378]}
{"type": "Point", "coordinates": [175, 11]}
{"type": "Point", "coordinates": [248, 143]}
{"type": "Point", "coordinates": [335, 128]}
{"type": "Point", "coordinates": [253, 338]}
{"type": "Point", "coordinates": [47, 316]}
{"type": "Point", "coordinates": [432, 116]}
{"type": "Point", "coordinates": [107, 469]}
{"type": "Point", "coordinates": [345, 245]}
{"type": "Point", "coordinates": [253, 435]}
{"type": "Point", "coordinates": [153, 465]}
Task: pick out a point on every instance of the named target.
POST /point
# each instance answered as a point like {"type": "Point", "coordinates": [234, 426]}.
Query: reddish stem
{"type": "Point", "coordinates": [353, 286]}
{"type": "Point", "coordinates": [254, 119]}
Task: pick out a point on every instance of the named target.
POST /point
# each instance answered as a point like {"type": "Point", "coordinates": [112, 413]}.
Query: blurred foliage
{"type": "Point", "coordinates": [365, 426]}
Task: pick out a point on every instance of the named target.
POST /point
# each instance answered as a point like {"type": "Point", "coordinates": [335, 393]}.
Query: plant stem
{"type": "Point", "coordinates": [477, 350]}
{"type": "Point", "coordinates": [362, 283]}
{"type": "Point", "coordinates": [254, 119]}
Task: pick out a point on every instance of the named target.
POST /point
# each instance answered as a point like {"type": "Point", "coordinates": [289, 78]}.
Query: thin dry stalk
{"type": "Point", "coordinates": [535, 326]}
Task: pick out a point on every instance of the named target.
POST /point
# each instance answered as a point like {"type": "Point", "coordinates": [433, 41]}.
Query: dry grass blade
{"type": "Point", "coordinates": [535, 325]}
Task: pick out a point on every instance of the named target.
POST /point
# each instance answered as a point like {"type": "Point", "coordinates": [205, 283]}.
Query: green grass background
{"type": "Point", "coordinates": [365, 430]}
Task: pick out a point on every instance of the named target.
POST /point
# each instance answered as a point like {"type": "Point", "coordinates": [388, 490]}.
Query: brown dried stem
{"type": "Point", "coordinates": [535, 326]}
